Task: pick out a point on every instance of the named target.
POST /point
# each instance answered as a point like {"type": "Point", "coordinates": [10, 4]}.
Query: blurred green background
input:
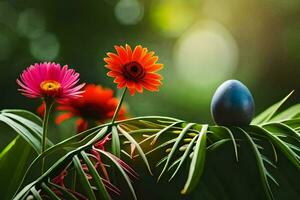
{"type": "Point", "coordinates": [201, 42]}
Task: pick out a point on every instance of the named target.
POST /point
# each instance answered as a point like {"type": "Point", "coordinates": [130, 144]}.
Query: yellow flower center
{"type": "Point", "coordinates": [50, 86]}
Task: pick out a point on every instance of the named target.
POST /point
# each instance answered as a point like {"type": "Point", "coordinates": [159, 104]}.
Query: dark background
{"type": "Point", "coordinates": [201, 43]}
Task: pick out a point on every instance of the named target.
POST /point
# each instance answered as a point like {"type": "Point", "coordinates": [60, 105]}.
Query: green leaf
{"type": "Point", "coordinates": [65, 192]}
{"type": "Point", "coordinates": [34, 127]}
{"type": "Point", "coordinates": [261, 167]}
{"type": "Point", "coordinates": [217, 144]}
{"type": "Point", "coordinates": [63, 160]}
{"type": "Point", "coordinates": [138, 147]}
{"type": "Point", "coordinates": [174, 147]}
{"type": "Point", "coordinates": [23, 132]}
{"type": "Point", "coordinates": [24, 113]}
{"type": "Point", "coordinates": [288, 114]}
{"type": "Point", "coordinates": [270, 112]}
{"type": "Point", "coordinates": [197, 163]}
{"type": "Point", "coordinates": [14, 159]}
{"type": "Point", "coordinates": [222, 130]}
{"type": "Point", "coordinates": [36, 194]}
{"type": "Point", "coordinates": [48, 191]}
{"type": "Point", "coordinates": [120, 169]}
{"type": "Point", "coordinates": [163, 131]}
{"type": "Point", "coordinates": [83, 179]}
{"type": "Point", "coordinates": [184, 156]}
{"type": "Point", "coordinates": [115, 143]}
{"type": "Point", "coordinates": [289, 153]}
{"type": "Point", "coordinates": [96, 177]}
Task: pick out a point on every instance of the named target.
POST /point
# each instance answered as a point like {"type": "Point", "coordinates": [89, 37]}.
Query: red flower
{"type": "Point", "coordinates": [97, 104]}
{"type": "Point", "coordinates": [134, 69]}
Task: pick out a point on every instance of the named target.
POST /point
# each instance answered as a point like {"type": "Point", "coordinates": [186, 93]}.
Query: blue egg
{"type": "Point", "coordinates": [232, 104]}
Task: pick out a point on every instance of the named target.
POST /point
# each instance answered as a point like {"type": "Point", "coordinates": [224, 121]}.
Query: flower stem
{"type": "Point", "coordinates": [118, 107]}
{"type": "Point", "coordinates": [48, 106]}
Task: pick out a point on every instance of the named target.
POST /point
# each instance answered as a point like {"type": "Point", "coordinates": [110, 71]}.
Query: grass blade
{"type": "Point", "coordinates": [99, 184]}
{"type": "Point", "coordinates": [184, 156]}
{"type": "Point", "coordinates": [174, 147]}
{"type": "Point", "coordinates": [83, 179]}
{"type": "Point", "coordinates": [260, 164]}
{"type": "Point", "coordinates": [162, 131]}
{"type": "Point", "coordinates": [51, 194]}
{"type": "Point", "coordinates": [115, 142]}
{"type": "Point", "coordinates": [270, 112]}
{"type": "Point", "coordinates": [137, 146]}
{"type": "Point", "coordinates": [36, 194]}
{"type": "Point", "coordinates": [197, 163]}
{"type": "Point", "coordinates": [120, 169]}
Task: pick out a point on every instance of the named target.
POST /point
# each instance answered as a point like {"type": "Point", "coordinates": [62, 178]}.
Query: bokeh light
{"type": "Point", "coordinates": [129, 12]}
{"type": "Point", "coordinates": [206, 54]}
{"type": "Point", "coordinates": [172, 18]}
{"type": "Point", "coordinates": [31, 24]}
{"type": "Point", "coordinates": [45, 47]}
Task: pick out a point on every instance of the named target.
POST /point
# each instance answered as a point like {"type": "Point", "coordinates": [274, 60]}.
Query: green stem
{"type": "Point", "coordinates": [48, 106]}
{"type": "Point", "coordinates": [118, 107]}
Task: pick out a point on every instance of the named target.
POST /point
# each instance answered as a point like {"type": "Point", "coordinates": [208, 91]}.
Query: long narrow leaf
{"type": "Point", "coordinates": [115, 142]}
{"type": "Point", "coordinates": [36, 194]}
{"type": "Point", "coordinates": [270, 112]}
{"type": "Point", "coordinates": [184, 156]}
{"type": "Point", "coordinates": [48, 191]}
{"type": "Point", "coordinates": [260, 164]}
{"type": "Point", "coordinates": [83, 179]}
{"type": "Point", "coordinates": [23, 132]}
{"type": "Point", "coordinates": [174, 148]}
{"type": "Point", "coordinates": [96, 177]}
{"type": "Point", "coordinates": [137, 146]}
{"type": "Point", "coordinates": [120, 169]}
{"type": "Point", "coordinates": [197, 163]}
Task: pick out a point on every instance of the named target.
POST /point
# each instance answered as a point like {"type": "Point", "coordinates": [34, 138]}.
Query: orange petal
{"type": "Point", "coordinates": [151, 61]}
{"type": "Point", "coordinates": [153, 76]}
{"type": "Point", "coordinates": [153, 82]}
{"type": "Point", "coordinates": [122, 53]}
{"type": "Point", "coordinates": [144, 53]}
{"type": "Point", "coordinates": [154, 68]}
{"type": "Point", "coordinates": [114, 68]}
{"type": "Point", "coordinates": [130, 84]}
{"type": "Point", "coordinates": [137, 53]}
{"type": "Point", "coordinates": [129, 51]}
{"type": "Point", "coordinates": [121, 85]}
{"type": "Point", "coordinates": [119, 79]}
{"type": "Point", "coordinates": [113, 73]}
{"type": "Point", "coordinates": [139, 87]}
{"type": "Point", "coordinates": [149, 86]}
{"type": "Point", "coordinates": [147, 57]}
{"type": "Point", "coordinates": [62, 117]}
{"type": "Point", "coordinates": [131, 91]}
{"type": "Point", "coordinates": [114, 57]}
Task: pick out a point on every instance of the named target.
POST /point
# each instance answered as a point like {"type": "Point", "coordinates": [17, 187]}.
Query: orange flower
{"type": "Point", "coordinates": [134, 69]}
{"type": "Point", "coordinates": [97, 104]}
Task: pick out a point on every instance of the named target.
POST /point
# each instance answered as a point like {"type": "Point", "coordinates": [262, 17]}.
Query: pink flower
{"type": "Point", "coordinates": [50, 80]}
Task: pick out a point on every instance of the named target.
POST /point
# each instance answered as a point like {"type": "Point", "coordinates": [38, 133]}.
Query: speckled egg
{"type": "Point", "coordinates": [232, 104]}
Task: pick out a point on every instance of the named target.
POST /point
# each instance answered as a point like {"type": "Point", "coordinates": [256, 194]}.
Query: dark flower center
{"type": "Point", "coordinates": [134, 71]}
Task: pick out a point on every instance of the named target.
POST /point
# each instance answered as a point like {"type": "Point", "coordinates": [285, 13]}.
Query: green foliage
{"type": "Point", "coordinates": [168, 147]}
{"type": "Point", "coordinates": [74, 153]}
{"type": "Point", "coordinates": [14, 159]}
{"type": "Point", "coordinates": [27, 125]}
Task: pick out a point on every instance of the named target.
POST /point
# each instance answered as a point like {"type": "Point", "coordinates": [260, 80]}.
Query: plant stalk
{"type": "Point", "coordinates": [48, 106]}
{"type": "Point", "coordinates": [118, 107]}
